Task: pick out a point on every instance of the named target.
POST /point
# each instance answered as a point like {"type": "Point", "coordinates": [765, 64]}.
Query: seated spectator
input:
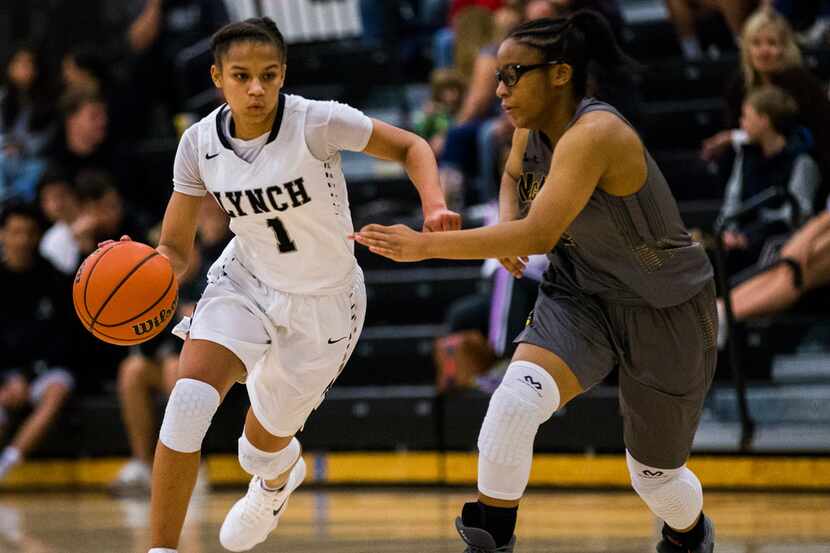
{"type": "Point", "coordinates": [482, 327]}
{"type": "Point", "coordinates": [473, 144]}
{"type": "Point", "coordinates": [35, 341]}
{"type": "Point", "coordinates": [805, 267]}
{"type": "Point", "coordinates": [84, 70]}
{"type": "Point", "coordinates": [151, 368]}
{"type": "Point", "coordinates": [82, 141]}
{"type": "Point", "coordinates": [102, 213]}
{"type": "Point", "coordinates": [776, 154]}
{"type": "Point", "coordinates": [26, 124]}
{"type": "Point", "coordinates": [683, 14]}
{"type": "Point", "coordinates": [438, 114]}
{"type": "Point", "coordinates": [59, 202]}
{"type": "Point", "coordinates": [769, 55]}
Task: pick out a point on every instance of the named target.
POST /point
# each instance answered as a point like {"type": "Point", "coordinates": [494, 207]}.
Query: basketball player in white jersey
{"type": "Point", "coordinates": [285, 302]}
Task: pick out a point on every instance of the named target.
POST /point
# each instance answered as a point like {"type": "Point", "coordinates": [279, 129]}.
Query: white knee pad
{"type": "Point", "coordinates": [267, 465]}
{"type": "Point", "coordinates": [526, 397]}
{"type": "Point", "coordinates": [673, 495]}
{"type": "Point", "coordinates": [187, 417]}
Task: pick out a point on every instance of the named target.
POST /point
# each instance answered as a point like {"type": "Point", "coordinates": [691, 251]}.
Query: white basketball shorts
{"type": "Point", "coordinates": [293, 346]}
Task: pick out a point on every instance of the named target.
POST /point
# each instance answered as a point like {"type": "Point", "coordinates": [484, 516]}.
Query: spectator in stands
{"type": "Point", "coordinates": [82, 142]}
{"type": "Point", "coordinates": [444, 39]}
{"type": "Point", "coordinates": [481, 328]}
{"type": "Point", "coordinates": [34, 336]}
{"type": "Point", "coordinates": [769, 55]}
{"type": "Point", "coordinates": [439, 112]}
{"type": "Point", "coordinates": [84, 70]}
{"type": "Point", "coordinates": [26, 123]}
{"type": "Point", "coordinates": [472, 146]}
{"type": "Point", "coordinates": [805, 266]}
{"type": "Point", "coordinates": [59, 202]}
{"type": "Point", "coordinates": [684, 12]}
{"type": "Point", "coordinates": [103, 213]}
{"type": "Point", "coordinates": [776, 154]}
{"type": "Point", "coordinates": [151, 368]}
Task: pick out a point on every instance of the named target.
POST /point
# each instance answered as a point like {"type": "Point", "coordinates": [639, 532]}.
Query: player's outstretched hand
{"type": "Point", "coordinates": [398, 242]}
{"type": "Point", "coordinates": [441, 219]}
{"type": "Point", "coordinates": [124, 238]}
{"type": "Point", "coordinates": [514, 265]}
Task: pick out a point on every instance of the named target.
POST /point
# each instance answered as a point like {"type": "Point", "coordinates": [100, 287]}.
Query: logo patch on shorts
{"type": "Point", "coordinates": [652, 474]}
{"type": "Point", "coordinates": [529, 321]}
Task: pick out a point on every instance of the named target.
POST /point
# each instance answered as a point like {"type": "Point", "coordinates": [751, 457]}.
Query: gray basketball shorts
{"type": "Point", "coordinates": [666, 359]}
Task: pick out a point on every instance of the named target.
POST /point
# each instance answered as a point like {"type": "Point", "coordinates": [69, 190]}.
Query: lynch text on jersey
{"type": "Point", "coordinates": [238, 203]}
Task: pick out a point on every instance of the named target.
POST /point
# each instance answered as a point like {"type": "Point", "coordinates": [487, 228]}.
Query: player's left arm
{"type": "Point", "coordinates": [410, 150]}
{"type": "Point", "coordinates": [581, 158]}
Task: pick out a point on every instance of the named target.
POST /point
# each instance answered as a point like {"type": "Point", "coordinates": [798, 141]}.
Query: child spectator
{"type": "Point", "coordinates": [776, 155]}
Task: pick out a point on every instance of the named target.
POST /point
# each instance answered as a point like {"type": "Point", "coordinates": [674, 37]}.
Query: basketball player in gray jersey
{"type": "Point", "coordinates": [627, 287]}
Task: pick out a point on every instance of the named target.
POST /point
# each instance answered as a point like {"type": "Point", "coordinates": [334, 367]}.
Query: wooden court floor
{"type": "Point", "coordinates": [412, 521]}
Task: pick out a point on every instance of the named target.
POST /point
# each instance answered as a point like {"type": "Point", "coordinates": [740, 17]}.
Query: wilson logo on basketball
{"type": "Point", "coordinates": [159, 320]}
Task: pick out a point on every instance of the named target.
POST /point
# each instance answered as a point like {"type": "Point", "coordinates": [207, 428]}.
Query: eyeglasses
{"type": "Point", "coordinates": [511, 73]}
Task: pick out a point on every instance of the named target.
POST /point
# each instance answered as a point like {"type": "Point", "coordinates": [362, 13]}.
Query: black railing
{"type": "Point", "coordinates": [734, 347]}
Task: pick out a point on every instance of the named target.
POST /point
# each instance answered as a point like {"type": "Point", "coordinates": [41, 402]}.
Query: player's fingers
{"type": "Point", "coordinates": [125, 238]}
{"type": "Point", "coordinates": [373, 240]}
{"type": "Point", "coordinates": [385, 252]}
{"type": "Point", "coordinates": [373, 227]}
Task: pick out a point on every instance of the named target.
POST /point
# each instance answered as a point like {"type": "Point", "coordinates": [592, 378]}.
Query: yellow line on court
{"type": "Point", "coordinates": [553, 470]}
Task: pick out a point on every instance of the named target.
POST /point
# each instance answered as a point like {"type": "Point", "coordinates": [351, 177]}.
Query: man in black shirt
{"type": "Point", "coordinates": [35, 333]}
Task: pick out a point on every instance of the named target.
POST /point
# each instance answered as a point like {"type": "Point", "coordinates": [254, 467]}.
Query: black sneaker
{"type": "Point", "coordinates": [480, 541]}
{"type": "Point", "coordinates": [668, 545]}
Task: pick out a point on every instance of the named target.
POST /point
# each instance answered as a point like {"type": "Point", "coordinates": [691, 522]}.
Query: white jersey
{"type": "Point", "coordinates": [288, 207]}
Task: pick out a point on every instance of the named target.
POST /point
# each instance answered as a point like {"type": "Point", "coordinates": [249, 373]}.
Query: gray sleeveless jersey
{"type": "Point", "coordinates": [633, 249]}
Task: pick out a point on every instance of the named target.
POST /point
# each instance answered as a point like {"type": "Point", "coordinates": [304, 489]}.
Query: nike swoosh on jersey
{"type": "Point", "coordinates": [338, 340]}
{"type": "Point", "coordinates": [209, 156]}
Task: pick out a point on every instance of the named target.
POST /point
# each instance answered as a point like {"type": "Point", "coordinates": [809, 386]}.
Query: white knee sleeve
{"type": "Point", "coordinates": [187, 417]}
{"type": "Point", "coordinates": [526, 397]}
{"type": "Point", "coordinates": [267, 465]}
{"type": "Point", "coordinates": [674, 495]}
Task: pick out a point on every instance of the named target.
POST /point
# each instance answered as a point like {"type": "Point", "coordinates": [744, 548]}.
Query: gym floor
{"type": "Point", "coordinates": [412, 520]}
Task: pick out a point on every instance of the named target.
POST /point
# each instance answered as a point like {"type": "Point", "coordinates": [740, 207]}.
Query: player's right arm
{"type": "Point", "coordinates": [509, 195]}
{"type": "Point", "coordinates": [178, 230]}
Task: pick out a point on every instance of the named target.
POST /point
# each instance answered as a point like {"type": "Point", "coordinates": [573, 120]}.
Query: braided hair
{"type": "Point", "coordinates": [581, 40]}
{"type": "Point", "coordinates": [256, 29]}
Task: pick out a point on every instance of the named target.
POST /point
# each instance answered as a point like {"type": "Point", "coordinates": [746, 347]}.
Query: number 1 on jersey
{"type": "Point", "coordinates": [284, 242]}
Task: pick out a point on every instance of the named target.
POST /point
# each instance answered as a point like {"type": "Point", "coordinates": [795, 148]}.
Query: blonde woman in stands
{"type": "Point", "coordinates": [770, 55]}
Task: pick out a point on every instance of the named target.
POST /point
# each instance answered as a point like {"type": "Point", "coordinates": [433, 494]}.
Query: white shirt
{"type": "Point", "coordinates": [59, 246]}
{"type": "Point", "coordinates": [284, 191]}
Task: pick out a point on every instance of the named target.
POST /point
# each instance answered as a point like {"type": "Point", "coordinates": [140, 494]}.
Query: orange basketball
{"type": "Point", "coordinates": [125, 293]}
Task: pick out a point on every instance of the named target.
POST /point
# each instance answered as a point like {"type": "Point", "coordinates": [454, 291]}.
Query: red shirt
{"type": "Point", "coordinates": [458, 5]}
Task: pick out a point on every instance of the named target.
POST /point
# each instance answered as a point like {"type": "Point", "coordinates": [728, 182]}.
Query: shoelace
{"type": "Point", "coordinates": [264, 503]}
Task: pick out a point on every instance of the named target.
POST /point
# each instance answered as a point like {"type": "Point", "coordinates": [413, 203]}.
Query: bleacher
{"type": "Point", "coordinates": [391, 374]}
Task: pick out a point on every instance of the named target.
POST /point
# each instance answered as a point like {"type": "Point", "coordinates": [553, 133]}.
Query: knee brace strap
{"type": "Point", "coordinates": [795, 267]}
{"type": "Point", "coordinates": [187, 417]}
{"type": "Point", "coordinates": [265, 464]}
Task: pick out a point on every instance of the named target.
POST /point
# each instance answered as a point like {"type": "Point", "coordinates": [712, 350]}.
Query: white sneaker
{"type": "Point", "coordinates": [133, 480]}
{"type": "Point", "coordinates": [256, 515]}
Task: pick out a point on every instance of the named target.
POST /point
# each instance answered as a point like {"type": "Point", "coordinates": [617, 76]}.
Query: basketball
{"type": "Point", "coordinates": [125, 293]}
